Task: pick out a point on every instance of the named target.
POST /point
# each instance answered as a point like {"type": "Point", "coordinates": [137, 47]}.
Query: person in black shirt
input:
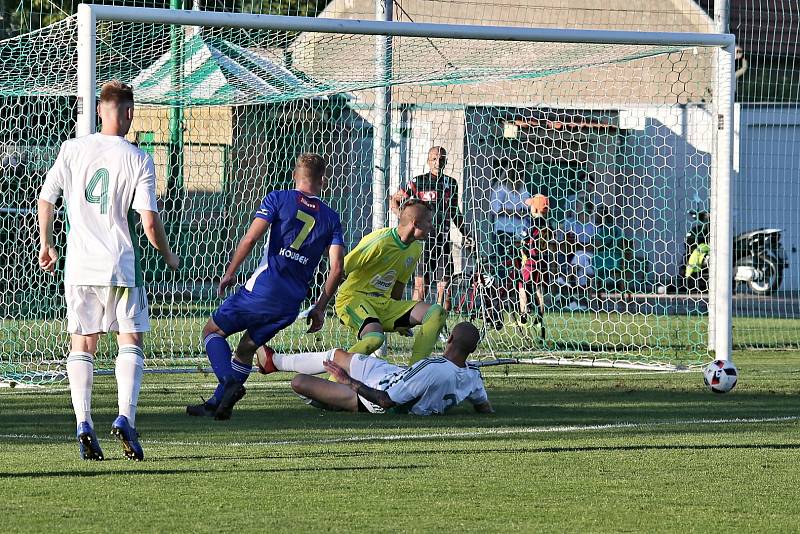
{"type": "Point", "coordinates": [440, 192]}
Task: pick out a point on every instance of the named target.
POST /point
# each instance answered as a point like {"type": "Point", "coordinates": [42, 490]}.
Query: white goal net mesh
{"type": "Point", "coordinates": [619, 138]}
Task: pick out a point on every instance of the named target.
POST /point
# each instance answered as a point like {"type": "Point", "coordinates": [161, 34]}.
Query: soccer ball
{"type": "Point", "coordinates": [720, 376]}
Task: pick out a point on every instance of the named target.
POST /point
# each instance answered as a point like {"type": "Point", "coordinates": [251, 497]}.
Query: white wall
{"type": "Point", "coordinates": [767, 176]}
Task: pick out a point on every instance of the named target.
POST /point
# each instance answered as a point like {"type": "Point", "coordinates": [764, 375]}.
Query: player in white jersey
{"type": "Point", "coordinates": [104, 179]}
{"type": "Point", "coordinates": [364, 383]}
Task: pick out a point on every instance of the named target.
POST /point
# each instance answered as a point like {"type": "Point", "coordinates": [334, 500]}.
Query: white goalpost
{"type": "Point", "coordinates": [619, 119]}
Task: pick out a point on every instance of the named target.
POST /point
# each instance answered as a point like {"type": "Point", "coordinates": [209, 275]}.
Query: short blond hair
{"type": "Point", "coordinates": [313, 163]}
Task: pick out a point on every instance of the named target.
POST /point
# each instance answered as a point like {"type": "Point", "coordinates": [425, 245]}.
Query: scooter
{"type": "Point", "coordinates": [758, 257]}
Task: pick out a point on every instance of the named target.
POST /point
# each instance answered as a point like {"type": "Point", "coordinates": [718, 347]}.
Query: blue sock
{"type": "Point", "coordinates": [240, 370]}
{"type": "Point", "coordinates": [219, 355]}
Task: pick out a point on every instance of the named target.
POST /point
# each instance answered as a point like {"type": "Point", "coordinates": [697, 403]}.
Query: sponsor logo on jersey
{"type": "Point", "coordinates": [428, 196]}
{"type": "Point", "coordinates": [292, 255]}
{"type": "Point", "coordinates": [384, 281]}
{"type": "Point", "coordinates": [310, 204]}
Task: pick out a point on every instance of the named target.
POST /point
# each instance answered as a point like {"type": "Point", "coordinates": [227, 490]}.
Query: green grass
{"type": "Point", "coordinates": [581, 450]}
{"type": "Point", "coordinates": [174, 338]}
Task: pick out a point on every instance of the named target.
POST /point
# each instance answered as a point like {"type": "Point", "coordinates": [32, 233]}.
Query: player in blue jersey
{"type": "Point", "coordinates": [302, 228]}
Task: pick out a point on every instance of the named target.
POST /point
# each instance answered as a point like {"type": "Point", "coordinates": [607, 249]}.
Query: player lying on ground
{"type": "Point", "coordinates": [103, 178]}
{"type": "Point", "coordinates": [431, 386]}
{"type": "Point", "coordinates": [303, 228]}
{"type": "Point", "coordinates": [378, 269]}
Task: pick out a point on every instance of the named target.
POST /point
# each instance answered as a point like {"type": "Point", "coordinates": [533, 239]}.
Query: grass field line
{"type": "Point", "coordinates": [439, 435]}
{"type": "Point", "coordinates": [5, 387]}
{"type": "Point", "coordinates": [574, 372]}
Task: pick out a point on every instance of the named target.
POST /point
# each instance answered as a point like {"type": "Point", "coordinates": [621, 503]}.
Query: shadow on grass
{"type": "Point", "coordinates": [275, 415]}
{"type": "Point", "coordinates": [117, 474]}
{"type": "Point", "coordinates": [466, 451]}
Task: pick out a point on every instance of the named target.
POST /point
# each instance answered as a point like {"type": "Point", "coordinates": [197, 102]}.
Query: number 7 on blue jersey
{"type": "Point", "coordinates": [308, 224]}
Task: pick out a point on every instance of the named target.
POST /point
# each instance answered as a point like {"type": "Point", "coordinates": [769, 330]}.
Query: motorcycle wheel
{"type": "Point", "coordinates": [773, 276]}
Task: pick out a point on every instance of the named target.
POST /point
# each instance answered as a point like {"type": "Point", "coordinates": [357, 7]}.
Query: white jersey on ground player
{"type": "Point", "coordinates": [363, 383]}
{"type": "Point", "coordinates": [430, 386]}
{"type": "Point", "coordinates": [102, 178]}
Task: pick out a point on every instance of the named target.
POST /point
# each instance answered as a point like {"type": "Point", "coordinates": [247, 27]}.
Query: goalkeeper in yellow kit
{"type": "Point", "coordinates": [377, 270]}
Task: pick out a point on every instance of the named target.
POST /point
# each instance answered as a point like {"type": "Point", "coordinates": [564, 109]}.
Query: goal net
{"type": "Point", "coordinates": [621, 139]}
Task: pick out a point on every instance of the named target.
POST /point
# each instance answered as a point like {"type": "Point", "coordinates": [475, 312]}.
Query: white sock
{"type": "Point", "coordinates": [130, 364]}
{"type": "Point", "coordinates": [80, 370]}
{"type": "Point", "coordinates": [309, 363]}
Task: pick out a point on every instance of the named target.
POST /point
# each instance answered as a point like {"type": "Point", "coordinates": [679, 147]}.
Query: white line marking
{"type": "Point", "coordinates": [495, 374]}
{"type": "Point", "coordinates": [442, 435]}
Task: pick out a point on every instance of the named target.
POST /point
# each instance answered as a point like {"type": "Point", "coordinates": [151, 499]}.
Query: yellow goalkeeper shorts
{"type": "Point", "coordinates": [354, 311]}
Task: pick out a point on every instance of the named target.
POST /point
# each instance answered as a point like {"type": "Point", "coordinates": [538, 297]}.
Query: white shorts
{"type": "Point", "coordinates": [96, 309]}
{"type": "Point", "coordinates": [371, 371]}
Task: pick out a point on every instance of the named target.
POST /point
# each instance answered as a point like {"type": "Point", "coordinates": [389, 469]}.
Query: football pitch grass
{"type": "Point", "coordinates": [569, 450]}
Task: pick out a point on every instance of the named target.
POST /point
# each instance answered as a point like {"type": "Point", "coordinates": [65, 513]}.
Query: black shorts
{"type": "Point", "coordinates": [436, 262]}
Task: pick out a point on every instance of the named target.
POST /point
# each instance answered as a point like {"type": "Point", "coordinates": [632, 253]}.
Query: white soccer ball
{"type": "Point", "coordinates": [720, 376]}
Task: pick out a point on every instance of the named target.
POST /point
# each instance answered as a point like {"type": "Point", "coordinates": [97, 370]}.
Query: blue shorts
{"type": "Point", "coordinates": [261, 317]}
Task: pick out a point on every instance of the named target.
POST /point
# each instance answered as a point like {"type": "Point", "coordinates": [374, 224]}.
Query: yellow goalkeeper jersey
{"type": "Point", "coordinates": [379, 261]}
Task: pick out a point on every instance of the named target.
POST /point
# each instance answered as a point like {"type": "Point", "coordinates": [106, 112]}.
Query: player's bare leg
{"type": "Point", "coordinates": [86, 343]}
{"type": "Point", "coordinates": [245, 350]}
{"type": "Point", "coordinates": [420, 289]}
{"type": "Point", "coordinates": [328, 394]}
{"type": "Point", "coordinates": [443, 293]}
{"type": "Point", "coordinates": [212, 328]}
{"type": "Point", "coordinates": [523, 300]}
{"type": "Point", "coordinates": [539, 294]}
{"type": "Point", "coordinates": [443, 299]}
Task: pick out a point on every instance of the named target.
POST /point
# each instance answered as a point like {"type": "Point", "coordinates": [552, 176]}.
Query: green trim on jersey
{"type": "Point", "coordinates": [399, 241]}
{"type": "Point", "coordinates": [66, 218]}
{"type": "Point", "coordinates": [137, 251]}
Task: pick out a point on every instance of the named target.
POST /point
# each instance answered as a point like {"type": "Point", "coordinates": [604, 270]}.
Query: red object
{"type": "Point", "coordinates": [264, 360]}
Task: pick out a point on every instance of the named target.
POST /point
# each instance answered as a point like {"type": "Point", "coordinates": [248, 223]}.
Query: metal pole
{"type": "Point", "coordinates": [382, 124]}
{"type": "Point", "coordinates": [721, 11]}
{"type": "Point", "coordinates": [174, 189]}
{"type": "Point", "coordinates": [87, 76]}
{"type": "Point", "coordinates": [406, 29]}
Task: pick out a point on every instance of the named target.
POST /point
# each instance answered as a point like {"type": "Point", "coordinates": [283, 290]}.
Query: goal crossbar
{"type": "Point", "coordinates": [400, 29]}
